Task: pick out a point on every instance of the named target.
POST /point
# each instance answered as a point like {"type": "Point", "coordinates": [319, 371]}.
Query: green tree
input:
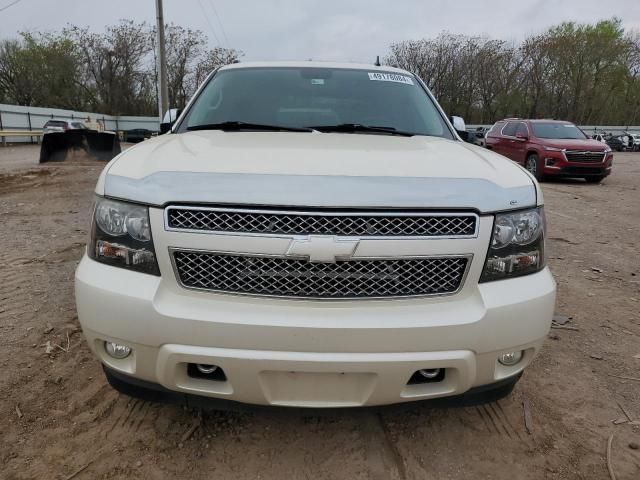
{"type": "Point", "coordinates": [40, 69]}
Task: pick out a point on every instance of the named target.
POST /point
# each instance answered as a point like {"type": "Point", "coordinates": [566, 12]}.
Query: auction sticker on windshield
{"type": "Point", "coordinates": [390, 77]}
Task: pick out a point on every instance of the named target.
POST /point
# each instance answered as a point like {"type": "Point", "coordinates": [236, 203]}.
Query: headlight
{"type": "Point", "coordinates": [552, 149]}
{"type": "Point", "coordinates": [121, 236]}
{"type": "Point", "coordinates": [517, 245]}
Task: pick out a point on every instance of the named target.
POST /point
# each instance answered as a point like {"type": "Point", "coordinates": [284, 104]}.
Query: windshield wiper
{"type": "Point", "coordinates": [236, 125]}
{"type": "Point", "coordinates": [357, 127]}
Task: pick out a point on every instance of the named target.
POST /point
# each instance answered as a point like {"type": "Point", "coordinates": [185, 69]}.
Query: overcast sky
{"type": "Point", "coordinates": [350, 30]}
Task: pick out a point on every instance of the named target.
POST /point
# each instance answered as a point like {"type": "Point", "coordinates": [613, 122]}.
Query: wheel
{"type": "Point", "coordinates": [597, 179]}
{"type": "Point", "coordinates": [532, 164]}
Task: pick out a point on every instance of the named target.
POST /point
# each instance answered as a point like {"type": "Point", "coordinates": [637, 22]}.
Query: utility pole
{"type": "Point", "coordinates": [163, 90]}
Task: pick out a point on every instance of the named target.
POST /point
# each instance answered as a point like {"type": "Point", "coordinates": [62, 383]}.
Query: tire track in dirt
{"type": "Point", "coordinates": [496, 421]}
{"type": "Point", "coordinates": [121, 412]}
{"type": "Point", "coordinates": [12, 277]}
{"type": "Point", "coordinates": [128, 417]}
{"type": "Point", "coordinates": [15, 284]}
{"type": "Point", "coordinates": [383, 458]}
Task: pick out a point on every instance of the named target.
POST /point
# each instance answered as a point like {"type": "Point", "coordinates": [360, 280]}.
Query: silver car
{"type": "Point", "coordinates": [53, 126]}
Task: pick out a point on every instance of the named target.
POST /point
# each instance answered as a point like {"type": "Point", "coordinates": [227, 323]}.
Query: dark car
{"type": "Point", "coordinates": [551, 148]}
{"type": "Point", "coordinates": [476, 136]}
{"type": "Point", "coordinates": [136, 135]}
{"type": "Point", "coordinates": [615, 143]}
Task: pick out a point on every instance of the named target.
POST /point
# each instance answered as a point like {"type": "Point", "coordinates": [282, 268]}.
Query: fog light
{"type": "Point", "coordinates": [206, 369]}
{"type": "Point", "coordinates": [511, 358]}
{"type": "Point", "coordinates": [429, 372]}
{"type": "Point", "coordinates": [117, 350]}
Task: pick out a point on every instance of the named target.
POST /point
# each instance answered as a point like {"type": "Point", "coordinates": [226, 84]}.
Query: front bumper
{"type": "Point", "coordinates": [312, 353]}
{"type": "Point", "coordinates": [153, 392]}
{"type": "Point", "coordinates": [556, 164]}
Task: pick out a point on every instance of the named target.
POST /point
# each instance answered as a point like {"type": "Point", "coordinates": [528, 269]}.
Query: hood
{"type": "Point", "coordinates": [587, 144]}
{"type": "Point", "coordinates": [317, 170]}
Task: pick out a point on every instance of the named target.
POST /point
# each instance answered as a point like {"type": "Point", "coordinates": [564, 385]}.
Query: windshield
{"type": "Point", "coordinates": [557, 131]}
{"type": "Point", "coordinates": [317, 97]}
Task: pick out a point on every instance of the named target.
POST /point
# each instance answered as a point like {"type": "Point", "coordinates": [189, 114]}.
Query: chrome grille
{"type": "Point", "coordinates": [285, 277]}
{"type": "Point", "coordinates": [584, 156]}
{"type": "Point", "coordinates": [297, 223]}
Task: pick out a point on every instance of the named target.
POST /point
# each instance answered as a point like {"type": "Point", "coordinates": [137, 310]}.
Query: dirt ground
{"type": "Point", "coordinates": [59, 419]}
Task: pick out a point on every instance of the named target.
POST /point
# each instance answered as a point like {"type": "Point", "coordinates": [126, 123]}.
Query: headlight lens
{"type": "Point", "coordinates": [527, 227]}
{"type": "Point", "coordinates": [119, 218]}
{"type": "Point", "coordinates": [517, 245]}
{"type": "Point", "coordinates": [502, 231]}
{"type": "Point", "coordinates": [110, 218]}
{"type": "Point", "coordinates": [121, 236]}
{"type": "Point", "coordinates": [552, 149]}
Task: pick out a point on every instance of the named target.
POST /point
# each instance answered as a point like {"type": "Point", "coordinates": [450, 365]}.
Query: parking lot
{"type": "Point", "coordinates": [60, 420]}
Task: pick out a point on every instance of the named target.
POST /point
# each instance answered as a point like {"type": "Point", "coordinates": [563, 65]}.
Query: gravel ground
{"type": "Point", "coordinates": [58, 417]}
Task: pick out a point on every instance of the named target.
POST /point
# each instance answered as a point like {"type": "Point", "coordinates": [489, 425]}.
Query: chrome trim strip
{"type": "Point", "coordinates": [321, 214]}
{"type": "Point", "coordinates": [320, 191]}
{"type": "Point", "coordinates": [463, 280]}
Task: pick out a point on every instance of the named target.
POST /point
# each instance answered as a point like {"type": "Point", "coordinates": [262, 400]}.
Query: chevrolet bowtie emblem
{"type": "Point", "coordinates": [322, 248]}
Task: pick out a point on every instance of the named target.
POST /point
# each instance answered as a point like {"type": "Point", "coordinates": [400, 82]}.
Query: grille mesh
{"type": "Point", "coordinates": [300, 278]}
{"type": "Point", "coordinates": [584, 157]}
{"type": "Point", "coordinates": [300, 224]}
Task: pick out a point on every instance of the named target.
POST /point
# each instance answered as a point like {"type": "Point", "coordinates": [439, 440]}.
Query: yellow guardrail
{"type": "Point", "coordinates": [19, 133]}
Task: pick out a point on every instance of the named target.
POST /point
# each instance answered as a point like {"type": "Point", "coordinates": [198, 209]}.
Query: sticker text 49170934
{"type": "Point", "coordinates": [390, 77]}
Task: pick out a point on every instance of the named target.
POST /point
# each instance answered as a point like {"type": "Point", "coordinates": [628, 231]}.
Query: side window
{"type": "Point", "coordinates": [510, 129]}
{"type": "Point", "coordinates": [495, 130]}
{"type": "Point", "coordinates": [522, 129]}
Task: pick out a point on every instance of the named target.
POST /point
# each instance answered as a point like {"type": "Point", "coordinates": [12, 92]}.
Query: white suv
{"type": "Point", "coordinates": [314, 235]}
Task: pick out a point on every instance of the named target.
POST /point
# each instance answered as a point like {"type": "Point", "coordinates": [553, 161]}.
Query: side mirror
{"type": "Point", "coordinates": [169, 119]}
{"type": "Point", "coordinates": [458, 124]}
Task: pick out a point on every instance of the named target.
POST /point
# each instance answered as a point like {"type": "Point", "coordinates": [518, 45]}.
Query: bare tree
{"type": "Point", "coordinates": [584, 73]}
{"type": "Point", "coordinates": [580, 72]}
{"type": "Point", "coordinates": [213, 59]}
{"type": "Point", "coordinates": [184, 49]}
{"type": "Point", "coordinates": [116, 66]}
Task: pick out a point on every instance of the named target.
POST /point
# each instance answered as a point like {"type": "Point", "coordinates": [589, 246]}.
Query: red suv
{"type": "Point", "coordinates": [551, 148]}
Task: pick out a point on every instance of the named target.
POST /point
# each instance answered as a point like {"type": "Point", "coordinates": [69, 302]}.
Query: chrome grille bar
{"type": "Point", "coordinates": [294, 278]}
{"type": "Point", "coordinates": [275, 222]}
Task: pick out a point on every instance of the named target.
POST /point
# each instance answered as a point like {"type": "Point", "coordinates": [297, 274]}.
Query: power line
{"type": "Point", "coordinates": [10, 5]}
{"type": "Point", "coordinates": [206, 16]}
{"type": "Point", "coordinates": [215, 12]}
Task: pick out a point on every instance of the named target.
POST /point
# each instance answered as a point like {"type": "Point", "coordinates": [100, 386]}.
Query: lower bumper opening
{"type": "Point", "coordinates": [583, 171]}
{"type": "Point", "coordinates": [154, 392]}
{"type": "Point", "coordinates": [206, 372]}
{"type": "Point", "coordinates": [427, 375]}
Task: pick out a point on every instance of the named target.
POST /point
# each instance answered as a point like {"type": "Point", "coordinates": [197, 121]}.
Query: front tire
{"type": "Point", "coordinates": [532, 164]}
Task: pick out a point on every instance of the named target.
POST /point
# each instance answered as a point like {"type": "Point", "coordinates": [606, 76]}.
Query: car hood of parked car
{"type": "Point", "coordinates": [571, 144]}
{"type": "Point", "coordinates": [317, 170]}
